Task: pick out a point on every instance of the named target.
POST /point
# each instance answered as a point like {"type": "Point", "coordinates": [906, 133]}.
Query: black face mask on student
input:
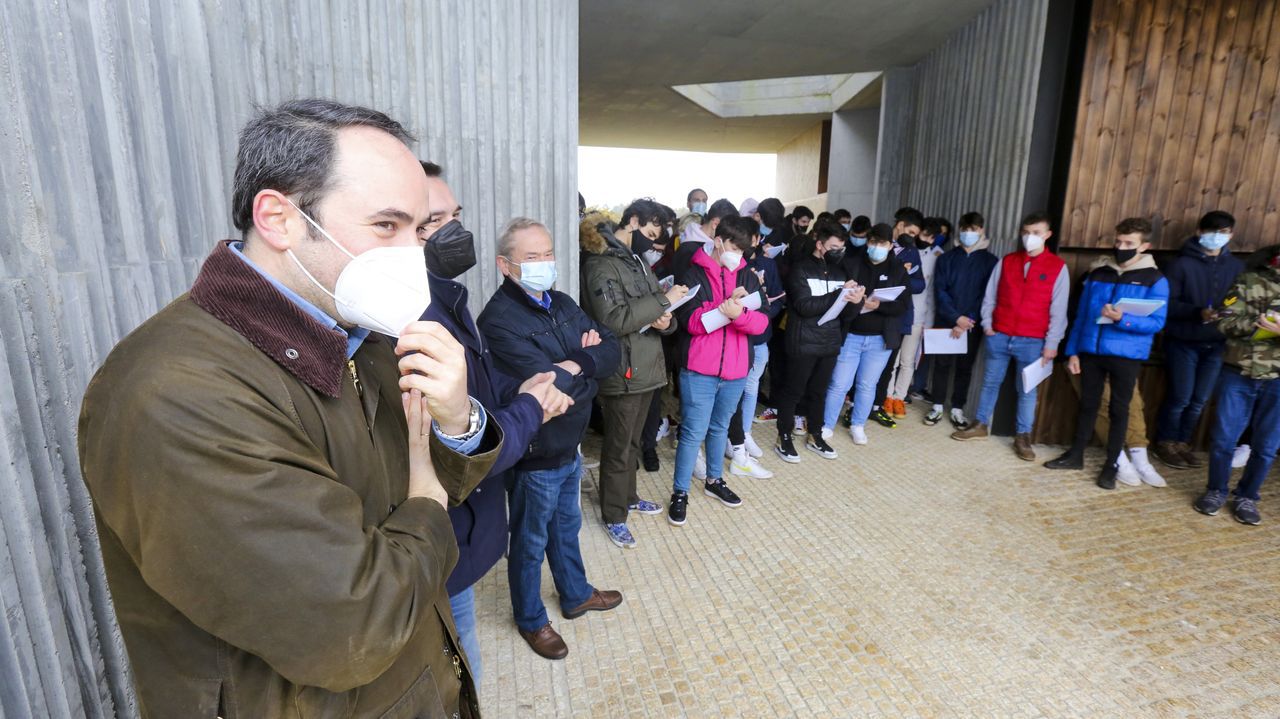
{"type": "Point", "coordinates": [1125, 256]}
{"type": "Point", "coordinates": [833, 257]}
{"type": "Point", "coordinates": [922, 243]}
{"type": "Point", "coordinates": [450, 251]}
{"type": "Point", "coordinates": [639, 243]}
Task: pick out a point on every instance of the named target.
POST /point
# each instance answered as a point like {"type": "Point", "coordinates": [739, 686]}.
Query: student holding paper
{"type": "Point", "coordinates": [1113, 349]}
{"type": "Point", "coordinates": [1024, 314]}
{"type": "Point", "coordinates": [817, 281]}
{"type": "Point", "coordinates": [715, 362]}
{"type": "Point", "coordinates": [874, 331]}
{"type": "Point", "coordinates": [908, 224]}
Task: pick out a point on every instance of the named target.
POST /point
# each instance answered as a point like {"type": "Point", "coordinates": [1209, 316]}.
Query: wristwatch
{"type": "Point", "coordinates": [473, 424]}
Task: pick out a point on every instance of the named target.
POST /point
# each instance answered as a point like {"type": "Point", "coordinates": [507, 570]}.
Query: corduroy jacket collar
{"type": "Point", "coordinates": [244, 300]}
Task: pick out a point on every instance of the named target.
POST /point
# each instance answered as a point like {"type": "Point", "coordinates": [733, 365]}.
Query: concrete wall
{"type": "Point", "coordinates": [851, 173]}
{"type": "Point", "coordinates": [798, 165]}
{"type": "Point", "coordinates": [956, 128]}
{"type": "Point", "coordinates": [117, 143]}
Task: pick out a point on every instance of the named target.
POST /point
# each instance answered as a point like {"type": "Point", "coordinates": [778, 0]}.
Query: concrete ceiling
{"type": "Point", "coordinates": [632, 53]}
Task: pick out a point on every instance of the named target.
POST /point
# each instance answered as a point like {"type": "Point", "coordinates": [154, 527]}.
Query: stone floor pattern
{"type": "Point", "coordinates": [915, 576]}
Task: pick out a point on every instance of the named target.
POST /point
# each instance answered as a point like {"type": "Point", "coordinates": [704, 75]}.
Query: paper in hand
{"type": "Point", "coordinates": [1035, 373]}
{"type": "Point", "coordinates": [677, 304]}
{"type": "Point", "coordinates": [940, 342]}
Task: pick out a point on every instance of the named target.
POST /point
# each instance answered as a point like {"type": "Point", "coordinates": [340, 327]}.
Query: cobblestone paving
{"type": "Point", "coordinates": [915, 576]}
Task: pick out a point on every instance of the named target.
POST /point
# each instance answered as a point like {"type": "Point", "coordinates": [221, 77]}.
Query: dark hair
{"type": "Point", "coordinates": [645, 209]}
{"type": "Point", "coordinates": [434, 170]}
{"type": "Point", "coordinates": [737, 230]}
{"type": "Point", "coordinates": [771, 212]}
{"type": "Point", "coordinates": [824, 230]}
{"type": "Point", "coordinates": [582, 201]}
{"type": "Point", "coordinates": [689, 197]}
{"type": "Point", "coordinates": [1130, 225]}
{"type": "Point", "coordinates": [842, 213]}
{"type": "Point", "coordinates": [801, 211]}
{"type": "Point", "coordinates": [860, 224]}
{"type": "Point", "coordinates": [945, 224]}
{"type": "Point", "coordinates": [824, 216]}
{"type": "Point", "coordinates": [291, 149]}
{"type": "Point", "coordinates": [931, 227]}
{"type": "Point", "coordinates": [1217, 220]}
{"type": "Point", "coordinates": [881, 232]}
{"type": "Point", "coordinates": [909, 216]}
{"type": "Point", "coordinates": [973, 219]}
{"type": "Point", "coordinates": [1035, 218]}
{"type": "Point", "coordinates": [719, 210]}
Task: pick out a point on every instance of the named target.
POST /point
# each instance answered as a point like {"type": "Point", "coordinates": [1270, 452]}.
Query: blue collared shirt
{"type": "Point", "coordinates": [355, 338]}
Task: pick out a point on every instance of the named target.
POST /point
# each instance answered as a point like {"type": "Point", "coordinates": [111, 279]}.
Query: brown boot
{"type": "Point", "coordinates": [599, 601]}
{"type": "Point", "coordinates": [977, 430]}
{"type": "Point", "coordinates": [546, 642]}
{"type": "Point", "coordinates": [1168, 453]}
{"type": "Point", "coordinates": [1022, 447]}
{"type": "Point", "coordinates": [1188, 456]}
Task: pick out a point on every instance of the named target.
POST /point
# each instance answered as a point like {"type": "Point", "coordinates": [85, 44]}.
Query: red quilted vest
{"type": "Point", "coordinates": [1022, 303]}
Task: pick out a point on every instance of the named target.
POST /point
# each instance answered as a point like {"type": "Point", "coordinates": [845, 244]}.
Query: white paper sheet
{"type": "Point", "coordinates": [1135, 307]}
{"type": "Point", "coordinates": [667, 282]}
{"type": "Point", "coordinates": [884, 294]}
{"type": "Point", "coordinates": [940, 342]}
{"type": "Point", "coordinates": [752, 301]}
{"type": "Point", "coordinates": [1035, 373]}
{"type": "Point", "coordinates": [676, 305]}
{"type": "Point", "coordinates": [713, 320]}
{"type": "Point", "coordinates": [834, 310]}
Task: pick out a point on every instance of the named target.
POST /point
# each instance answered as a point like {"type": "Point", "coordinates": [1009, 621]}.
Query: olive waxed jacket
{"type": "Point", "coordinates": [262, 555]}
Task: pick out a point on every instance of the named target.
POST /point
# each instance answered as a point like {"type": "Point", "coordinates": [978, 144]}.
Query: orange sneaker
{"type": "Point", "coordinates": [899, 410]}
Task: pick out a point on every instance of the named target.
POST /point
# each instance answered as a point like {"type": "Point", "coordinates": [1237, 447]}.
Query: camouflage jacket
{"type": "Point", "coordinates": [1255, 292]}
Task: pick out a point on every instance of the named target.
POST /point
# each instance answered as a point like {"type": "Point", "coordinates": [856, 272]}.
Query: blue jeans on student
{"type": "Point", "coordinates": [861, 361]}
{"type": "Point", "coordinates": [1193, 369]}
{"type": "Point", "coordinates": [1241, 400]}
{"type": "Point", "coordinates": [545, 517]}
{"type": "Point", "coordinates": [706, 405]}
{"type": "Point", "coordinates": [464, 619]}
{"type": "Point", "coordinates": [760, 359]}
{"type": "Point", "coordinates": [999, 350]}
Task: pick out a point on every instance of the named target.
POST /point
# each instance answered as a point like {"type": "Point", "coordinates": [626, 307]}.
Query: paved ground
{"type": "Point", "coordinates": [916, 576]}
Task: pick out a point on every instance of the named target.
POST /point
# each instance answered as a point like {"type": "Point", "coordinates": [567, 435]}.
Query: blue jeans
{"type": "Point", "coordinates": [706, 405]}
{"type": "Point", "coordinates": [862, 359]}
{"type": "Point", "coordinates": [1241, 400]}
{"type": "Point", "coordinates": [545, 517]}
{"type": "Point", "coordinates": [999, 350]}
{"type": "Point", "coordinates": [760, 359]}
{"type": "Point", "coordinates": [464, 619]}
{"type": "Point", "coordinates": [1193, 369]}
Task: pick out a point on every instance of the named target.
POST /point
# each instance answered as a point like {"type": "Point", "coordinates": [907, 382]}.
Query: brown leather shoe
{"type": "Point", "coordinates": [1022, 447]}
{"type": "Point", "coordinates": [599, 601]}
{"type": "Point", "coordinates": [546, 642]}
{"type": "Point", "coordinates": [1188, 456]}
{"type": "Point", "coordinates": [977, 430]}
{"type": "Point", "coordinates": [1170, 454]}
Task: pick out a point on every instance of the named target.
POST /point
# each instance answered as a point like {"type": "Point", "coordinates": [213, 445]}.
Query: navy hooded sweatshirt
{"type": "Point", "coordinates": [1197, 281]}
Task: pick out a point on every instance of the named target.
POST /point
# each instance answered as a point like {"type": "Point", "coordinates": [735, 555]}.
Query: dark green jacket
{"type": "Point", "coordinates": [1255, 292]}
{"type": "Point", "coordinates": [620, 292]}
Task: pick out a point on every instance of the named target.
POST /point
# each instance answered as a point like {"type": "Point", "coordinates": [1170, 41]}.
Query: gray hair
{"type": "Point", "coordinates": [291, 149]}
{"type": "Point", "coordinates": [508, 237]}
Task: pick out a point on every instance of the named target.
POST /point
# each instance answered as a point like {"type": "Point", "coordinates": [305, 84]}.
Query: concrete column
{"type": "Point", "coordinates": [851, 174]}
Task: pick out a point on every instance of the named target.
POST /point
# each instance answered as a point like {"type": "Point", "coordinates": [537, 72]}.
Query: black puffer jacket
{"type": "Point", "coordinates": [812, 287]}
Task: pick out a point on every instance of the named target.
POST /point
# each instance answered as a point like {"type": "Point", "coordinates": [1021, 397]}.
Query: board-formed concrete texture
{"type": "Point", "coordinates": [913, 577]}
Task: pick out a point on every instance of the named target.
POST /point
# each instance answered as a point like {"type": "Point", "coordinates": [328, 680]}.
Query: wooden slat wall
{"type": "Point", "coordinates": [1178, 116]}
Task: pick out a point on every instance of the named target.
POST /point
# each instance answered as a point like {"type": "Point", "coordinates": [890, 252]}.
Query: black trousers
{"type": "Point", "coordinates": [620, 453]}
{"type": "Point", "coordinates": [807, 381]}
{"type": "Point", "coordinates": [963, 365]}
{"type": "Point", "coordinates": [882, 387]}
{"type": "Point", "coordinates": [1094, 371]}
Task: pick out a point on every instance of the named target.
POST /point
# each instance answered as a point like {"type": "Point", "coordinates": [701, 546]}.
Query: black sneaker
{"type": "Point", "coordinates": [819, 446]}
{"type": "Point", "coordinates": [883, 419]}
{"type": "Point", "coordinates": [1210, 502]}
{"type": "Point", "coordinates": [1107, 477]}
{"type": "Point", "coordinates": [651, 460]}
{"type": "Point", "coordinates": [1246, 511]}
{"type": "Point", "coordinates": [786, 449]}
{"type": "Point", "coordinates": [677, 508]}
{"type": "Point", "coordinates": [719, 490]}
{"type": "Point", "coordinates": [1070, 459]}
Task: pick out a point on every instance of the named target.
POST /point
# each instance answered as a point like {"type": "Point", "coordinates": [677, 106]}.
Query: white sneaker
{"type": "Point", "coordinates": [858, 433]}
{"type": "Point", "coordinates": [801, 426]}
{"type": "Point", "coordinates": [753, 449]}
{"type": "Point", "coordinates": [700, 466]}
{"type": "Point", "coordinates": [1126, 473]}
{"type": "Point", "coordinates": [729, 449]}
{"type": "Point", "coordinates": [587, 463]}
{"type": "Point", "coordinates": [664, 428]}
{"type": "Point", "coordinates": [827, 434]}
{"type": "Point", "coordinates": [1240, 457]}
{"type": "Point", "coordinates": [1149, 475]}
{"type": "Point", "coordinates": [744, 465]}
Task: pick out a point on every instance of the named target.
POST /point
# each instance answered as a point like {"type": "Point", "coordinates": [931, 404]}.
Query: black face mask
{"type": "Point", "coordinates": [905, 240]}
{"type": "Point", "coordinates": [922, 243]}
{"type": "Point", "coordinates": [639, 243]}
{"type": "Point", "coordinates": [1124, 256]}
{"type": "Point", "coordinates": [450, 251]}
{"type": "Point", "coordinates": [833, 257]}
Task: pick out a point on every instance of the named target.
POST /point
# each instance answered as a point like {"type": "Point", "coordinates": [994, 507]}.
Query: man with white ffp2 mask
{"type": "Point", "coordinates": [272, 514]}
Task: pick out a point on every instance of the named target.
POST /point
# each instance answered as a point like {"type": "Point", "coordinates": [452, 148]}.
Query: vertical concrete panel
{"type": "Point", "coordinates": [118, 144]}
{"type": "Point", "coordinates": [851, 179]}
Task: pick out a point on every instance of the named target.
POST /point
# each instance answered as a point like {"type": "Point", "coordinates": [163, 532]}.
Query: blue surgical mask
{"type": "Point", "coordinates": [846, 225]}
{"type": "Point", "coordinates": [878, 253]}
{"type": "Point", "coordinates": [969, 239]}
{"type": "Point", "coordinates": [765, 230]}
{"type": "Point", "coordinates": [1214, 240]}
{"type": "Point", "coordinates": [538, 276]}
{"type": "Point", "coordinates": [699, 208]}
{"type": "Point", "coordinates": [857, 241]}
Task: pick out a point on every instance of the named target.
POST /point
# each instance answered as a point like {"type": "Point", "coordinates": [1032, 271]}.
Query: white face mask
{"type": "Point", "coordinates": [730, 259]}
{"type": "Point", "coordinates": [652, 257]}
{"type": "Point", "coordinates": [382, 289]}
{"type": "Point", "coordinates": [1033, 243]}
